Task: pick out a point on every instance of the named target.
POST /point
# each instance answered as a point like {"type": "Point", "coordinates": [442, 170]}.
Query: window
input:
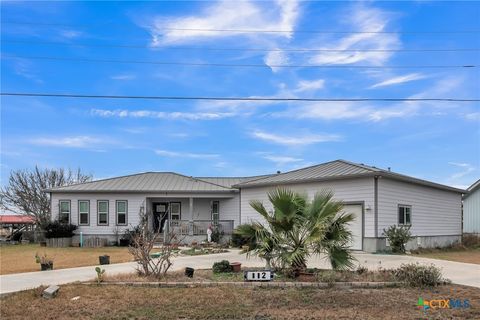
{"type": "Point", "coordinates": [64, 214]}
{"type": "Point", "coordinates": [102, 212]}
{"type": "Point", "coordinates": [404, 215]}
{"type": "Point", "coordinates": [215, 211]}
{"type": "Point", "coordinates": [175, 210]}
{"type": "Point", "coordinates": [121, 212]}
{"type": "Point", "coordinates": [83, 212]}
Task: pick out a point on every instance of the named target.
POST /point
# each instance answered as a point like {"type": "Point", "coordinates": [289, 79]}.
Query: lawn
{"type": "Point", "coordinates": [21, 258]}
{"type": "Point", "coordinates": [466, 255]}
{"type": "Point", "coordinates": [223, 302]}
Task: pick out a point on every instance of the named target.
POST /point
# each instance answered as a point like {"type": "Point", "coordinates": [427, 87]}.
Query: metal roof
{"type": "Point", "coordinates": [230, 181]}
{"type": "Point", "coordinates": [16, 219]}
{"type": "Point", "coordinates": [472, 188]}
{"type": "Point", "coordinates": [338, 169]}
{"type": "Point", "coordinates": [326, 170]}
{"type": "Point", "coordinates": [146, 182]}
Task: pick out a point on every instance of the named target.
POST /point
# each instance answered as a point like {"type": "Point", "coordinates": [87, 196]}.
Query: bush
{"type": "Point", "coordinates": [59, 230]}
{"type": "Point", "coordinates": [471, 240]}
{"type": "Point", "coordinates": [222, 267]}
{"type": "Point", "coordinates": [238, 240]}
{"type": "Point", "coordinates": [416, 275]}
{"type": "Point", "coordinates": [217, 234]}
{"type": "Point", "coordinates": [398, 237]}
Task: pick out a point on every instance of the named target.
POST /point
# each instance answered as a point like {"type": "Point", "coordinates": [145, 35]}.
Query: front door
{"type": "Point", "coordinates": [160, 215]}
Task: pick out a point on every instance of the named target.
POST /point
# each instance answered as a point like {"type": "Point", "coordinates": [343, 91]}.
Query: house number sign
{"type": "Point", "coordinates": [263, 275]}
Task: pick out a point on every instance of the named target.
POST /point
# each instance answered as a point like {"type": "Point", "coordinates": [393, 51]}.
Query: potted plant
{"type": "Point", "coordinates": [46, 263]}
{"type": "Point", "coordinates": [105, 259]}
{"type": "Point", "coordinates": [236, 266]}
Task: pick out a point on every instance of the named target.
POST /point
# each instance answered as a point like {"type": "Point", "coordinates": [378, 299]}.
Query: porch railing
{"type": "Point", "coordinates": [199, 227]}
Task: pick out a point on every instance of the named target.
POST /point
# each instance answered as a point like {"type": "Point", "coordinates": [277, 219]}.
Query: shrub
{"type": "Point", "coordinates": [471, 240]}
{"type": "Point", "coordinates": [59, 230]}
{"type": "Point", "coordinates": [398, 237]}
{"type": "Point", "coordinates": [239, 240]}
{"type": "Point", "coordinates": [416, 275]}
{"type": "Point", "coordinates": [217, 234]}
{"type": "Point", "coordinates": [222, 267]}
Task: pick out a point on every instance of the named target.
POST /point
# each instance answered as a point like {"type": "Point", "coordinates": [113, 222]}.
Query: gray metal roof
{"type": "Point", "coordinates": [338, 169]}
{"type": "Point", "coordinates": [230, 181]}
{"type": "Point", "coordinates": [475, 186]}
{"type": "Point", "coordinates": [146, 182]}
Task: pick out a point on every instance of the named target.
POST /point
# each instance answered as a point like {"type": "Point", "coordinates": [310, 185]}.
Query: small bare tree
{"type": "Point", "coordinates": [143, 241]}
{"type": "Point", "coordinates": [25, 190]}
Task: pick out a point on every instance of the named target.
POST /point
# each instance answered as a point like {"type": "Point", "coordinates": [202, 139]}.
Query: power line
{"type": "Point", "coordinates": [205, 64]}
{"type": "Point", "coordinates": [48, 24]}
{"type": "Point", "coordinates": [91, 96]}
{"type": "Point", "coordinates": [236, 49]}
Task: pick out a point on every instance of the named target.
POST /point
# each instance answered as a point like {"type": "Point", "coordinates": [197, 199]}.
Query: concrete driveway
{"type": "Point", "coordinates": [459, 273]}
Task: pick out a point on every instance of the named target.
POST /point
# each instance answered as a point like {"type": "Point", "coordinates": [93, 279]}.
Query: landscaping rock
{"type": "Point", "coordinates": [51, 292]}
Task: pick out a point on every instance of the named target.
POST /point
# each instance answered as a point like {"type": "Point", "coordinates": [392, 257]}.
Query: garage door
{"type": "Point", "coordinates": [355, 225]}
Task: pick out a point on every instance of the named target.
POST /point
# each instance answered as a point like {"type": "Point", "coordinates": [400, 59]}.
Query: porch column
{"type": "Point", "coordinates": [190, 211]}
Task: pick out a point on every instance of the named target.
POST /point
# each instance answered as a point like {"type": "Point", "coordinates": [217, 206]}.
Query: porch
{"type": "Point", "coordinates": [190, 217]}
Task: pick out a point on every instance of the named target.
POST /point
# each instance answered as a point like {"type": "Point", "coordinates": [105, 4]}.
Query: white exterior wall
{"type": "Point", "coordinates": [135, 201]}
{"type": "Point", "coordinates": [348, 190]}
{"type": "Point", "coordinates": [229, 209]}
{"type": "Point", "coordinates": [471, 213]}
{"type": "Point", "coordinates": [435, 212]}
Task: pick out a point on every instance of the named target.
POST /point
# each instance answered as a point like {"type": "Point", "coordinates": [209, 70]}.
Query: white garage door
{"type": "Point", "coordinates": [355, 225]}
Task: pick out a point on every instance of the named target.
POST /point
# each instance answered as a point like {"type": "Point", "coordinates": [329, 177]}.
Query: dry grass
{"type": "Point", "coordinates": [119, 302]}
{"type": "Point", "coordinates": [21, 258]}
{"type": "Point", "coordinates": [461, 255]}
{"type": "Point", "coordinates": [206, 275]}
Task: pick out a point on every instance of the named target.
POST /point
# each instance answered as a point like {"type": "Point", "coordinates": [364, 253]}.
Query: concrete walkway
{"type": "Point", "coordinates": [460, 273]}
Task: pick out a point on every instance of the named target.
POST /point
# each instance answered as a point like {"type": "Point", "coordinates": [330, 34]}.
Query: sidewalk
{"type": "Point", "coordinates": [459, 273]}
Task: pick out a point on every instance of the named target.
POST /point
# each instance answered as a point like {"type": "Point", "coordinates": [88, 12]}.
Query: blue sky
{"type": "Point", "coordinates": [438, 141]}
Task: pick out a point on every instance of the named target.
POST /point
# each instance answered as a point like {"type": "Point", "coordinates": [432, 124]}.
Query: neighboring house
{"type": "Point", "coordinates": [379, 198]}
{"type": "Point", "coordinates": [471, 209]}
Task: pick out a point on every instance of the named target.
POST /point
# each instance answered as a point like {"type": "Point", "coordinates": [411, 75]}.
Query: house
{"type": "Point", "coordinates": [471, 209]}
{"type": "Point", "coordinates": [379, 198]}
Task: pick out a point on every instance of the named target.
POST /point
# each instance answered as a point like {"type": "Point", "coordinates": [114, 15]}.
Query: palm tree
{"type": "Point", "coordinates": [297, 228]}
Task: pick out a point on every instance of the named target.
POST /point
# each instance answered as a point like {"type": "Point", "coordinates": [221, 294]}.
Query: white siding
{"type": "Point", "coordinates": [229, 209]}
{"type": "Point", "coordinates": [351, 190]}
{"type": "Point", "coordinates": [434, 212]}
{"type": "Point", "coordinates": [135, 201]}
{"type": "Point", "coordinates": [471, 213]}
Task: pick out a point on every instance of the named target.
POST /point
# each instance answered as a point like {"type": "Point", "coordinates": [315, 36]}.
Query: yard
{"type": "Point", "coordinates": [471, 255]}
{"type": "Point", "coordinates": [21, 258]}
{"type": "Point", "coordinates": [102, 302]}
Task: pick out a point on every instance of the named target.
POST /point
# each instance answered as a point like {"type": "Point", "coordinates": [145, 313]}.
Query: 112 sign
{"type": "Point", "coordinates": [263, 275]}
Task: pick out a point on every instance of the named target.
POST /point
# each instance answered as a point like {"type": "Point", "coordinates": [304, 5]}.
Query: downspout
{"type": "Point", "coordinates": [375, 200]}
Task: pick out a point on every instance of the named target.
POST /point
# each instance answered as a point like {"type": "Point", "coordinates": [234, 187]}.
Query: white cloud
{"type": "Point", "coordinates": [282, 160]}
{"type": "Point", "coordinates": [366, 19]}
{"type": "Point", "coordinates": [307, 85]}
{"type": "Point", "coordinates": [295, 140]}
{"type": "Point", "coordinates": [462, 178]}
{"type": "Point", "coordinates": [70, 34]}
{"type": "Point", "coordinates": [226, 15]}
{"type": "Point", "coordinates": [123, 77]}
{"type": "Point", "coordinates": [399, 80]}
{"type": "Point", "coordinates": [67, 142]}
{"type": "Point", "coordinates": [474, 116]}
{"type": "Point", "coordinates": [174, 154]}
{"type": "Point", "coordinates": [161, 115]}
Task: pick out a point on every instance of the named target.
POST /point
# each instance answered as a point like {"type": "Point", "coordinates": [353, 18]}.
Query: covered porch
{"type": "Point", "coordinates": [190, 216]}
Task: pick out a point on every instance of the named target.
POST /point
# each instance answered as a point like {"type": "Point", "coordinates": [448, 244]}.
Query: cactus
{"type": "Point", "coordinates": [100, 273]}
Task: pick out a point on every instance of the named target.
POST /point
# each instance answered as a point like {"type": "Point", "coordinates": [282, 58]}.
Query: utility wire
{"type": "Point", "coordinates": [47, 24]}
{"type": "Point", "coordinates": [205, 64]}
{"type": "Point", "coordinates": [91, 96]}
{"type": "Point", "coordinates": [234, 49]}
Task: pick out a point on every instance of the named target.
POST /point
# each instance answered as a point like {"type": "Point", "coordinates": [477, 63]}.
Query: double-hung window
{"type": "Point", "coordinates": [175, 210]}
{"type": "Point", "coordinates": [121, 212]}
{"type": "Point", "coordinates": [64, 214]}
{"type": "Point", "coordinates": [404, 215]}
{"type": "Point", "coordinates": [83, 212]}
{"type": "Point", "coordinates": [102, 212]}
